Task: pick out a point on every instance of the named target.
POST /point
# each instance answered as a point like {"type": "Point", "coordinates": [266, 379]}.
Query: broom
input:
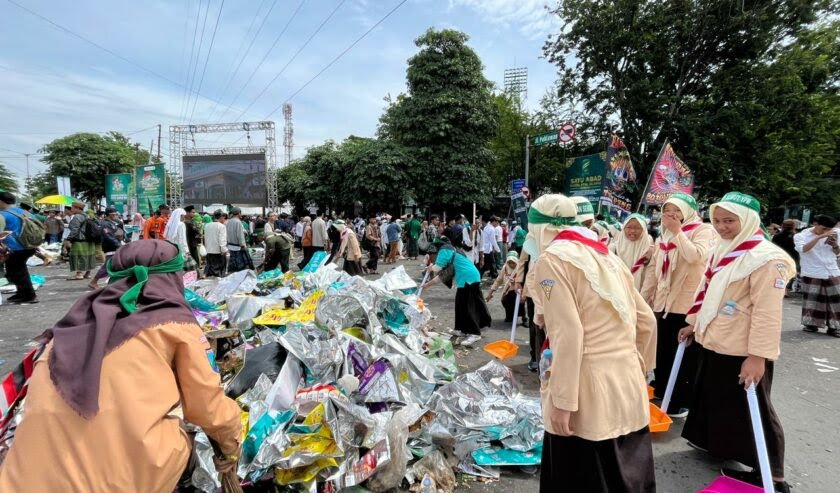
{"type": "Point", "coordinates": [230, 481]}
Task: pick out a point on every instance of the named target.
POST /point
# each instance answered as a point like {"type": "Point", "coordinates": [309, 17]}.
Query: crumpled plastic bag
{"type": "Point", "coordinates": [243, 308]}
{"type": "Point", "coordinates": [320, 354]}
{"type": "Point", "coordinates": [438, 468]}
{"type": "Point", "coordinates": [267, 359]}
{"type": "Point", "coordinates": [396, 280]}
{"type": "Point", "coordinates": [244, 281]}
{"type": "Point", "coordinates": [205, 477]}
{"type": "Point", "coordinates": [391, 474]}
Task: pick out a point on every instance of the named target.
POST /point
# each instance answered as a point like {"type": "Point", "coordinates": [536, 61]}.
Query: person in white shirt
{"type": "Point", "coordinates": [818, 249]}
{"type": "Point", "coordinates": [490, 248]}
{"type": "Point", "coordinates": [319, 233]}
{"type": "Point", "coordinates": [500, 258]}
{"type": "Point", "coordinates": [215, 242]}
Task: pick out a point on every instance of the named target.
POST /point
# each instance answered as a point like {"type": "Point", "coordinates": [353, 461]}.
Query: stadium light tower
{"type": "Point", "coordinates": [516, 82]}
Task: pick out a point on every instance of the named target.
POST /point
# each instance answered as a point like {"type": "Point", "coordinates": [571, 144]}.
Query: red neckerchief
{"type": "Point", "coordinates": [730, 257]}
{"type": "Point", "coordinates": [643, 261]}
{"type": "Point", "coordinates": [571, 235]}
{"type": "Point", "coordinates": [667, 247]}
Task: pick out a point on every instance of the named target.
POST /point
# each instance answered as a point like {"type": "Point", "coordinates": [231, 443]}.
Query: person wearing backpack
{"type": "Point", "coordinates": [84, 235]}
{"type": "Point", "coordinates": [112, 239]}
{"type": "Point", "coordinates": [18, 238]}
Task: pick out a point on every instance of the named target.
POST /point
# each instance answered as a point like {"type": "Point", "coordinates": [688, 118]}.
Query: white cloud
{"type": "Point", "coordinates": [528, 16]}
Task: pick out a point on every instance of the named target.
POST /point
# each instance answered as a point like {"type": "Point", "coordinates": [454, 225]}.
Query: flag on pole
{"type": "Point", "coordinates": [619, 179]}
{"type": "Point", "coordinates": [669, 176]}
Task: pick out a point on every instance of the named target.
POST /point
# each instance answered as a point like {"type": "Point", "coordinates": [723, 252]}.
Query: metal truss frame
{"type": "Point", "coordinates": [180, 136]}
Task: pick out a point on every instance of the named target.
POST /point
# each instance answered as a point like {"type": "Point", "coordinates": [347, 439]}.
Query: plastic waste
{"type": "Point", "coordinates": [267, 359]}
{"type": "Point", "coordinates": [545, 365]}
{"type": "Point", "coordinates": [427, 485]}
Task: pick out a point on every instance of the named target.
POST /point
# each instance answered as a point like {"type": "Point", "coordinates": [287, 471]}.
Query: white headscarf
{"type": "Point", "coordinates": [744, 265]}
{"type": "Point", "coordinates": [630, 251]}
{"type": "Point", "coordinates": [688, 208]}
{"type": "Point", "coordinates": [585, 211]}
{"type": "Point", "coordinates": [171, 231]}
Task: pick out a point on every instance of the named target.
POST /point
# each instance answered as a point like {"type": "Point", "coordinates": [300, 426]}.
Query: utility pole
{"type": "Point", "coordinates": [527, 158]}
{"type": "Point", "coordinates": [27, 166]}
{"type": "Point", "coordinates": [158, 142]}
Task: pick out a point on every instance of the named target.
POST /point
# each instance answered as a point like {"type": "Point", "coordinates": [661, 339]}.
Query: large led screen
{"type": "Point", "coordinates": [228, 179]}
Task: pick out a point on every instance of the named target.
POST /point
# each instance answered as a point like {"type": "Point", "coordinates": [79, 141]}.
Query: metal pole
{"type": "Point", "coordinates": [158, 142]}
{"type": "Point", "coordinates": [27, 166]}
{"type": "Point", "coordinates": [527, 158]}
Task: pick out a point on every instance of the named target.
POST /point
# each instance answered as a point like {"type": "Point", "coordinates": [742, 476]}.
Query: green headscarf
{"type": "Point", "coordinates": [140, 272]}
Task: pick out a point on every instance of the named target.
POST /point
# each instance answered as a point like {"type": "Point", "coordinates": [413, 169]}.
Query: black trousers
{"type": "Point", "coordinates": [373, 257]}
{"type": "Point", "coordinates": [509, 302]}
{"type": "Point", "coordinates": [18, 273]}
{"type": "Point", "coordinates": [215, 265]}
{"type": "Point", "coordinates": [536, 334]}
{"type": "Point", "coordinates": [278, 257]}
{"type": "Point", "coordinates": [490, 264]}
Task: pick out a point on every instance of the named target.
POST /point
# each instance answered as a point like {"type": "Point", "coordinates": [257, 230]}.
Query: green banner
{"type": "Point", "coordinates": [118, 191]}
{"type": "Point", "coordinates": [151, 191]}
{"type": "Point", "coordinates": [584, 177]}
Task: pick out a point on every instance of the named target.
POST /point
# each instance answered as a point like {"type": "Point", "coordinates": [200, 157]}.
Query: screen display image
{"type": "Point", "coordinates": [228, 179]}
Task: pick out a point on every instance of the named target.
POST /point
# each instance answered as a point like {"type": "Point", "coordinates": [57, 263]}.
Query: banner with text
{"type": "Point", "coordinates": [585, 176]}
{"type": "Point", "coordinates": [669, 176]}
{"type": "Point", "coordinates": [519, 202]}
{"type": "Point", "coordinates": [619, 179]}
{"type": "Point", "coordinates": [118, 191]}
{"type": "Point", "coordinates": [150, 184]}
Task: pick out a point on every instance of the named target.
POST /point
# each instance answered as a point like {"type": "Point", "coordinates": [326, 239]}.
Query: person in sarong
{"type": "Point", "coordinates": [471, 313]}
{"type": "Point", "coordinates": [82, 249]}
{"type": "Point", "coordinates": [634, 247]}
{"type": "Point", "coordinates": [349, 249]}
{"type": "Point", "coordinates": [680, 255]}
{"type": "Point", "coordinates": [239, 258]}
{"type": "Point", "coordinates": [736, 319]}
{"type": "Point", "coordinates": [818, 249]}
{"type": "Point", "coordinates": [101, 413]}
{"type": "Point", "coordinates": [601, 332]}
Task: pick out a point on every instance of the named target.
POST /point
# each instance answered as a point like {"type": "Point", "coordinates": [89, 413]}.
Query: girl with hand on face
{"type": "Point", "coordinates": [680, 256]}
{"type": "Point", "coordinates": [736, 320]}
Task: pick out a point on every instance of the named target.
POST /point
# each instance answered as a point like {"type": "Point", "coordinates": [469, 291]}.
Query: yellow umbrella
{"type": "Point", "coordinates": [56, 200]}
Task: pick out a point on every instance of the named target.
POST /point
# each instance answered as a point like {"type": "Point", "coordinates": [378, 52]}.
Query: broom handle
{"type": "Point", "coordinates": [760, 444]}
{"type": "Point", "coordinates": [672, 378]}
{"type": "Point", "coordinates": [420, 290]}
{"type": "Point", "coordinates": [515, 318]}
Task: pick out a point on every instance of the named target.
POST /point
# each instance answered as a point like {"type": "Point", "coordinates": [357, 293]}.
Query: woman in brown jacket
{"type": "Point", "coordinates": [100, 410]}
{"type": "Point", "coordinates": [679, 260]}
{"type": "Point", "coordinates": [349, 249]}
{"type": "Point", "coordinates": [737, 320]}
{"type": "Point", "coordinates": [594, 400]}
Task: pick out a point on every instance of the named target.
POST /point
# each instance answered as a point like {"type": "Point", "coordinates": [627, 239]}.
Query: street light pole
{"type": "Point", "coordinates": [527, 158]}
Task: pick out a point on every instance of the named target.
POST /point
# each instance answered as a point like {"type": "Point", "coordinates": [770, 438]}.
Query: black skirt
{"type": "Point", "coordinates": [618, 465]}
{"type": "Point", "coordinates": [353, 267]}
{"type": "Point", "coordinates": [720, 415]}
{"type": "Point", "coordinates": [471, 314]}
{"type": "Point", "coordinates": [667, 329]}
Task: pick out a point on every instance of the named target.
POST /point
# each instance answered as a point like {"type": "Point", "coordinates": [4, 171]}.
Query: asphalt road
{"type": "Point", "coordinates": [806, 390]}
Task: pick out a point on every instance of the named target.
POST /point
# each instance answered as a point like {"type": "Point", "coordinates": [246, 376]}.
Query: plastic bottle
{"type": "Point", "coordinates": [729, 308]}
{"type": "Point", "coordinates": [427, 485]}
{"type": "Point", "coordinates": [545, 365]}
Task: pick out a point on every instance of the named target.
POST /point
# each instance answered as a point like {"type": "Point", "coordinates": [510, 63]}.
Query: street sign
{"type": "Point", "coordinates": [516, 185]}
{"type": "Point", "coordinates": [567, 132]}
{"type": "Point", "coordinates": [546, 138]}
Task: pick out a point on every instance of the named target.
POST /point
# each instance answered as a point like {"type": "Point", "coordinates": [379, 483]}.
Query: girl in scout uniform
{"type": "Point", "coordinates": [736, 319]}
{"type": "Point", "coordinates": [595, 406]}
{"type": "Point", "coordinates": [679, 260]}
{"type": "Point", "coordinates": [634, 247]}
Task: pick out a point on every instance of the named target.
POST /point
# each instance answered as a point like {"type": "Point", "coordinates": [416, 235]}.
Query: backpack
{"type": "Point", "coordinates": [32, 231]}
{"type": "Point", "coordinates": [92, 231]}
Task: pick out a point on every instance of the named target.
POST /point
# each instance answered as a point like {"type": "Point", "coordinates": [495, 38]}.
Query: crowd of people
{"type": "Point", "coordinates": [607, 305]}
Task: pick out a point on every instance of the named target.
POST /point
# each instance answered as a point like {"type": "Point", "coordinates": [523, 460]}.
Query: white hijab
{"type": "Point", "coordinates": [630, 251]}
{"type": "Point", "coordinates": [690, 216]}
{"type": "Point", "coordinates": [171, 231]}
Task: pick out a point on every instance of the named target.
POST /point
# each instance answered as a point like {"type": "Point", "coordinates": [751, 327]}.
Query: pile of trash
{"type": "Point", "coordinates": [343, 386]}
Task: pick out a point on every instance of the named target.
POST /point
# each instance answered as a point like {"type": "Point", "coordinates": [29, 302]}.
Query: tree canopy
{"type": "Point", "coordinates": [8, 181]}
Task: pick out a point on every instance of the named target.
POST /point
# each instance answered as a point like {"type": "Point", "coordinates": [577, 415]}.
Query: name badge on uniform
{"type": "Point", "coordinates": [780, 284]}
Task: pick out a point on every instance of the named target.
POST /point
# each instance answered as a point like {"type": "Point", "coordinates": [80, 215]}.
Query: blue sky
{"type": "Point", "coordinates": [54, 83]}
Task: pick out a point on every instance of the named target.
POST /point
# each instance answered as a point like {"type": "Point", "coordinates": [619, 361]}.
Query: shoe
{"type": "Point", "coordinates": [470, 340]}
{"type": "Point", "coordinates": [810, 328]}
{"type": "Point", "coordinates": [457, 333]}
{"type": "Point", "coordinates": [13, 298]}
{"type": "Point", "coordinates": [533, 366]}
{"type": "Point", "coordinates": [833, 332]}
{"type": "Point", "coordinates": [524, 322]}
{"type": "Point", "coordinates": [752, 477]}
{"type": "Point", "coordinates": [683, 412]}
{"type": "Point", "coordinates": [23, 301]}
{"type": "Point", "coordinates": [781, 487]}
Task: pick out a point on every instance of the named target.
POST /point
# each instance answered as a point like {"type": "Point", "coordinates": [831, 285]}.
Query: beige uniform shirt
{"type": "Point", "coordinates": [133, 444]}
{"type": "Point", "coordinates": [599, 361]}
{"type": "Point", "coordinates": [693, 250]}
{"type": "Point", "coordinates": [350, 244]}
{"type": "Point", "coordinates": [754, 327]}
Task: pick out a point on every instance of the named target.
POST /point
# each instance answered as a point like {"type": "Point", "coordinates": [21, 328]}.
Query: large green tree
{"type": "Point", "coordinates": [377, 174]}
{"type": "Point", "coordinates": [293, 182]}
{"type": "Point", "coordinates": [649, 69]}
{"type": "Point", "coordinates": [445, 121]}
{"type": "Point", "coordinates": [8, 182]}
{"type": "Point", "coordinates": [86, 158]}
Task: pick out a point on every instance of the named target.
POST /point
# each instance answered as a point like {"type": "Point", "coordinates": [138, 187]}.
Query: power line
{"type": "Point", "coordinates": [311, 37]}
{"type": "Point", "coordinates": [190, 61]}
{"type": "Point", "coordinates": [264, 58]}
{"type": "Point", "coordinates": [109, 51]}
{"type": "Point", "coordinates": [71, 132]}
{"type": "Point", "coordinates": [207, 59]}
{"type": "Point", "coordinates": [197, 58]}
{"type": "Point", "coordinates": [247, 52]}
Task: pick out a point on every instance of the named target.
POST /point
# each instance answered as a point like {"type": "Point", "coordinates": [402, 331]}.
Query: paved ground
{"type": "Point", "coordinates": [807, 399]}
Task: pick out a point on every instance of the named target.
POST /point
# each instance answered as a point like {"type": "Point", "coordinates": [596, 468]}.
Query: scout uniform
{"type": "Point", "coordinates": [636, 255]}
{"type": "Point", "coordinates": [738, 313]}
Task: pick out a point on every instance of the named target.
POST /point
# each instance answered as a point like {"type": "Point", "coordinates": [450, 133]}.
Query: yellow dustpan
{"type": "Point", "coordinates": [506, 349]}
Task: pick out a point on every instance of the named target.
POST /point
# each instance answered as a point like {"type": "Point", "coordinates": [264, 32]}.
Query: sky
{"type": "Point", "coordinates": [140, 59]}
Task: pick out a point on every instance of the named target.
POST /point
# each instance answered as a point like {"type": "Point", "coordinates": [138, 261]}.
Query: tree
{"type": "Point", "coordinates": [445, 121]}
{"type": "Point", "coordinates": [8, 181]}
{"type": "Point", "coordinates": [377, 173]}
{"type": "Point", "coordinates": [653, 69]}
{"type": "Point", "coordinates": [41, 185]}
{"type": "Point", "coordinates": [87, 158]}
{"type": "Point", "coordinates": [292, 185]}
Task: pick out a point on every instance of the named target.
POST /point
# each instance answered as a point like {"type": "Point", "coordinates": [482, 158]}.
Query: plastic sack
{"type": "Point", "coordinates": [391, 474]}
{"type": "Point", "coordinates": [437, 467]}
{"type": "Point", "coordinates": [267, 359]}
{"type": "Point", "coordinates": [396, 280]}
{"type": "Point", "coordinates": [244, 281]}
{"type": "Point", "coordinates": [197, 302]}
